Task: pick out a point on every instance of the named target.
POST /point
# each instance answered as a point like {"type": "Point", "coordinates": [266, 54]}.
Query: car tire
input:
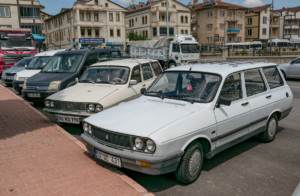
{"type": "Point", "coordinates": [271, 129]}
{"type": "Point", "coordinates": [284, 74]}
{"type": "Point", "coordinates": [190, 164]}
{"type": "Point", "coordinates": [172, 64]}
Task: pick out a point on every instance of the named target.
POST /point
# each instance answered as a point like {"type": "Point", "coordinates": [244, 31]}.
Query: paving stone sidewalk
{"type": "Point", "coordinates": [38, 158]}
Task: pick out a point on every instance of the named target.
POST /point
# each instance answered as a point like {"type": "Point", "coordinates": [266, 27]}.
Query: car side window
{"type": "Point", "coordinates": [273, 77]}
{"type": "Point", "coordinates": [147, 71]}
{"type": "Point", "coordinates": [136, 74]}
{"type": "Point", "coordinates": [91, 59]}
{"type": "Point", "coordinates": [232, 88]}
{"type": "Point", "coordinates": [156, 68]}
{"type": "Point", "coordinates": [175, 48]}
{"type": "Point", "coordinates": [115, 54]}
{"type": "Point", "coordinates": [297, 61]}
{"type": "Point", "coordinates": [103, 55]}
{"type": "Point", "coordinates": [254, 82]}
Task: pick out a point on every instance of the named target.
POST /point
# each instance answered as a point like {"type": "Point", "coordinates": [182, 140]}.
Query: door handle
{"type": "Point", "coordinates": [244, 104]}
{"type": "Point", "coordinates": [269, 96]}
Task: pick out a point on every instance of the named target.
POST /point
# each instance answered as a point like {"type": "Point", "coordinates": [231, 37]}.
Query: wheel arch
{"type": "Point", "coordinates": [275, 112]}
{"type": "Point", "coordinates": [204, 140]}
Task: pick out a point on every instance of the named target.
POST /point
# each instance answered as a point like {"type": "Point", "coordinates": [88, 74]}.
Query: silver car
{"type": "Point", "coordinates": [291, 69]}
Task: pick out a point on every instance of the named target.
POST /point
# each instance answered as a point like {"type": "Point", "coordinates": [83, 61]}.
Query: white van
{"type": "Point", "coordinates": [39, 61]}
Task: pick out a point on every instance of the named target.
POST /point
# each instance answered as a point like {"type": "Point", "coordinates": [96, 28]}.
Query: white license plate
{"type": "Point", "coordinates": [108, 158]}
{"type": "Point", "coordinates": [21, 85]}
{"type": "Point", "coordinates": [34, 95]}
{"type": "Point", "coordinates": [67, 119]}
{"type": "Point", "coordinates": [10, 77]}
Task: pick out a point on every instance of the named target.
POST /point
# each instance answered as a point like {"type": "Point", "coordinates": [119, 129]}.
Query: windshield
{"type": "Point", "coordinates": [17, 43]}
{"type": "Point", "coordinates": [23, 62]}
{"type": "Point", "coordinates": [64, 63]}
{"type": "Point", "coordinates": [39, 62]}
{"type": "Point", "coordinates": [189, 48]}
{"type": "Point", "coordinates": [106, 75]}
{"type": "Point", "coordinates": [188, 86]}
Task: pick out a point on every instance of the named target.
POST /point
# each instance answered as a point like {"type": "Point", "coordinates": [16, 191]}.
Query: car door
{"type": "Point", "coordinates": [294, 69]}
{"type": "Point", "coordinates": [260, 98]}
{"type": "Point", "coordinates": [233, 120]}
{"type": "Point", "coordinates": [148, 75]}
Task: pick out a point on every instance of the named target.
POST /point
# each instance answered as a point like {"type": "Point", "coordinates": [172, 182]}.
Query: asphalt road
{"type": "Point", "coordinates": [249, 168]}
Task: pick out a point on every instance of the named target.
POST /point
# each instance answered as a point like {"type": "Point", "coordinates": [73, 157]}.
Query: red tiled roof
{"type": "Point", "coordinates": [218, 4]}
{"type": "Point", "coordinates": [260, 8]}
{"type": "Point", "coordinates": [291, 9]}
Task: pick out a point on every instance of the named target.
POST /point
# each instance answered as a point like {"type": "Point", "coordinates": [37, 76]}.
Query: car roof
{"type": "Point", "coordinates": [83, 51]}
{"type": "Point", "coordinates": [125, 62]}
{"type": "Point", "coordinates": [222, 68]}
{"type": "Point", "coordinates": [49, 53]}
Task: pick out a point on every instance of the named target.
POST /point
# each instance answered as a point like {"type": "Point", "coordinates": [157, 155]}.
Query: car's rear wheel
{"type": "Point", "coordinates": [172, 64]}
{"type": "Point", "coordinates": [272, 125]}
{"type": "Point", "coordinates": [191, 163]}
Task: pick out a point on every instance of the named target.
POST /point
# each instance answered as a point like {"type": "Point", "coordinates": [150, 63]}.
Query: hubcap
{"type": "Point", "coordinates": [194, 163]}
{"type": "Point", "coordinates": [272, 127]}
{"type": "Point", "coordinates": [172, 65]}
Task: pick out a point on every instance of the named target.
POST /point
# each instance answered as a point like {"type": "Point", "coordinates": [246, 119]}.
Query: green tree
{"type": "Point", "coordinates": [135, 37]}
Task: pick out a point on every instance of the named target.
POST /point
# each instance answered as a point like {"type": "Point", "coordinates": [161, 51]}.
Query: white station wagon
{"type": "Point", "coordinates": [102, 85]}
{"type": "Point", "coordinates": [190, 113]}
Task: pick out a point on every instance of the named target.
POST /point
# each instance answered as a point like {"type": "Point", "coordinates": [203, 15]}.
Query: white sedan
{"type": "Point", "coordinates": [291, 69]}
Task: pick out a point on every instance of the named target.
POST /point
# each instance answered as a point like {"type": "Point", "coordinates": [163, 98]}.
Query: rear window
{"type": "Point", "coordinates": [156, 68]}
{"type": "Point", "coordinates": [273, 77]}
{"type": "Point", "coordinates": [254, 82]}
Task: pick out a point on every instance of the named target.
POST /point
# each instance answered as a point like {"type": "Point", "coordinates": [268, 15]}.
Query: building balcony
{"type": "Point", "coordinates": [232, 19]}
{"type": "Point", "coordinates": [291, 26]}
{"type": "Point", "coordinates": [275, 25]}
{"type": "Point", "coordinates": [289, 17]}
{"type": "Point", "coordinates": [233, 31]}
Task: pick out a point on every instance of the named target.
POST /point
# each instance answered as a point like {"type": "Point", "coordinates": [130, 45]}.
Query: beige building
{"type": "Point", "coordinates": [150, 19]}
{"type": "Point", "coordinates": [44, 16]}
{"type": "Point", "coordinates": [95, 24]}
{"type": "Point", "coordinates": [219, 22]}
{"type": "Point", "coordinates": [21, 14]}
{"type": "Point", "coordinates": [289, 22]}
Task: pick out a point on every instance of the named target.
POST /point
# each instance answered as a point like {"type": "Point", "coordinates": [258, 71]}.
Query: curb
{"type": "Point", "coordinates": [140, 189]}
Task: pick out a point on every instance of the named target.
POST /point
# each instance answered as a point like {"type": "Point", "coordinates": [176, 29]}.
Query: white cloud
{"type": "Point", "coordinates": [253, 3]}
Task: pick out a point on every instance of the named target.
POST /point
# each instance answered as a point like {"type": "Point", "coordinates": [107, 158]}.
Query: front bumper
{"type": "Point", "coordinates": [81, 115]}
{"type": "Point", "coordinates": [41, 98]}
{"type": "Point", "coordinates": [7, 81]}
{"type": "Point", "coordinates": [18, 85]}
{"type": "Point", "coordinates": [130, 158]}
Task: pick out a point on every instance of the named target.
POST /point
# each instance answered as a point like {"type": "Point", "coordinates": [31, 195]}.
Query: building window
{"type": "Point", "coordinates": [111, 18]}
{"type": "Point", "coordinates": [89, 32]}
{"type": "Point", "coordinates": [182, 31]}
{"type": "Point", "coordinates": [82, 32]}
{"type": "Point", "coordinates": [154, 32]}
{"type": "Point", "coordinates": [222, 13]}
{"type": "Point", "coordinates": [96, 2]}
{"type": "Point", "coordinates": [118, 17]}
{"type": "Point", "coordinates": [249, 21]}
{"type": "Point", "coordinates": [96, 17]}
{"type": "Point", "coordinates": [36, 29]}
{"type": "Point", "coordinates": [264, 31]}
{"type": "Point", "coordinates": [97, 32]}
{"type": "Point", "coordinates": [266, 11]}
{"type": "Point", "coordinates": [209, 27]}
{"type": "Point", "coordinates": [229, 14]}
{"type": "Point", "coordinates": [162, 17]}
{"type": "Point", "coordinates": [264, 20]}
{"type": "Point", "coordinates": [239, 39]}
{"type": "Point", "coordinates": [81, 15]}
{"type": "Point", "coordinates": [111, 32]}
{"type": "Point", "coordinates": [222, 26]}
{"type": "Point", "coordinates": [239, 14]}
{"type": "Point", "coordinates": [249, 32]}
{"type": "Point", "coordinates": [162, 4]}
{"type": "Point", "coordinates": [181, 19]}
{"type": "Point", "coordinates": [4, 12]}
{"type": "Point", "coordinates": [146, 20]}
{"type": "Point", "coordinates": [106, 4]}
{"type": "Point", "coordinates": [174, 6]}
{"type": "Point", "coordinates": [88, 16]}
{"type": "Point", "coordinates": [186, 19]}
{"type": "Point", "coordinates": [209, 14]}
{"type": "Point", "coordinates": [209, 39]}
{"type": "Point", "coordinates": [222, 39]}
{"type": "Point", "coordinates": [6, 26]}
{"type": "Point", "coordinates": [118, 32]}
{"type": "Point", "coordinates": [29, 12]}
{"type": "Point", "coordinates": [163, 31]}
{"type": "Point", "coordinates": [186, 32]}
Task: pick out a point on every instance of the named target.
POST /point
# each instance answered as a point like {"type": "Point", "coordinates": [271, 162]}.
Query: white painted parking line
{"type": "Point", "coordinates": [294, 86]}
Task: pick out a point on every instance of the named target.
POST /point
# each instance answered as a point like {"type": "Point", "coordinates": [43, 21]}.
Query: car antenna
{"type": "Point", "coordinates": [191, 68]}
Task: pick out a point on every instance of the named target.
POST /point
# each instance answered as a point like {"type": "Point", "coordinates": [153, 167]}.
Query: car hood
{"type": "Point", "coordinates": [28, 72]}
{"type": "Point", "coordinates": [44, 79]}
{"type": "Point", "coordinates": [14, 70]}
{"type": "Point", "coordinates": [284, 65]}
{"type": "Point", "coordinates": [83, 92]}
{"type": "Point", "coordinates": [142, 116]}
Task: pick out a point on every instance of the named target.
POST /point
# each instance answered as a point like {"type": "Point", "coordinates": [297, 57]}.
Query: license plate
{"type": "Point", "coordinates": [10, 77]}
{"type": "Point", "coordinates": [67, 119]}
{"type": "Point", "coordinates": [34, 95]}
{"type": "Point", "coordinates": [108, 158]}
{"type": "Point", "coordinates": [21, 85]}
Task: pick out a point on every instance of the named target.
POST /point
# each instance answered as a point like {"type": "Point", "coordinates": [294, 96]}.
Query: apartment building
{"type": "Point", "coordinates": [257, 21]}
{"type": "Point", "coordinates": [219, 22]}
{"type": "Point", "coordinates": [150, 19]}
{"type": "Point", "coordinates": [91, 23]}
{"type": "Point", "coordinates": [289, 22]}
{"type": "Point", "coordinates": [44, 16]}
{"type": "Point", "coordinates": [21, 14]}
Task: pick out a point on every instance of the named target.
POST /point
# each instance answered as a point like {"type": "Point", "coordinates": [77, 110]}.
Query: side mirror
{"type": "Point", "coordinates": [132, 82]}
{"type": "Point", "coordinates": [143, 90]}
{"type": "Point", "coordinates": [223, 101]}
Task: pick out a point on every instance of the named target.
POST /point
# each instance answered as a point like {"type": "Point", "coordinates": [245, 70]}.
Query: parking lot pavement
{"type": "Point", "coordinates": [39, 158]}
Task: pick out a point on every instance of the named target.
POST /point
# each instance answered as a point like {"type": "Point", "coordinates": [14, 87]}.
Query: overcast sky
{"type": "Point", "coordinates": [54, 6]}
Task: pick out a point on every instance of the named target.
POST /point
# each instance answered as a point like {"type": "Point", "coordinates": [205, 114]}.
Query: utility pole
{"type": "Point", "coordinates": [167, 4]}
{"type": "Point", "coordinates": [271, 24]}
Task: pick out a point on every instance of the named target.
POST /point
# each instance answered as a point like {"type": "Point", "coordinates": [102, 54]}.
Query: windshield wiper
{"type": "Point", "coordinates": [182, 97]}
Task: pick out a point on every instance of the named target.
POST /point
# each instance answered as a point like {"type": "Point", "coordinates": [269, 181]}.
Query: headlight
{"type": "Point", "coordinates": [90, 129]}
{"type": "Point", "coordinates": [138, 143]}
{"type": "Point", "coordinates": [150, 145]}
{"type": "Point", "coordinates": [99, 108]}
{"type": "Point", "coordinates": [91, 107]}
{"type": "Point", "coordinates": [54, 85]}
{"type": "Point", "coordinates": [47, 103]}
{"type": "Point", "coordinates": [85, 127]}
{"type": "Point", "coordinates": [52, 104]}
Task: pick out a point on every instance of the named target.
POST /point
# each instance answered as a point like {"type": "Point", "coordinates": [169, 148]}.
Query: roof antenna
{"type": "Point", "coordinates": [191, 68]}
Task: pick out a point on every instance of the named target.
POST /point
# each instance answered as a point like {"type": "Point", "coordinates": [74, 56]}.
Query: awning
{"type": "Point", "coordinates": [38, 38]}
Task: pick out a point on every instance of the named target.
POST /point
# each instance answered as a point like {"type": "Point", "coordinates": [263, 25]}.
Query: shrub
{"type": "Point", "coordinates": [293, 49]}
{"type": "Point", "coordinates": [244, 52]}
{"type": "Point", "coordinates": [237, 53]}
{"type": "Point", "coordinates": [284, 49]}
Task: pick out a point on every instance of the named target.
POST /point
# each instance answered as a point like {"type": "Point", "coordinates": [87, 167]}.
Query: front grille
{"type": "Point", "coordinates": [11, 59]}
{"type": "Point", "coordinates": [70, 106]}
{"type": "Point", "coordinates": [111, 138]}
{"type": "Point", "coordinates": [10, 74]}
{"type": "Point", "coordinates": [31, 87]}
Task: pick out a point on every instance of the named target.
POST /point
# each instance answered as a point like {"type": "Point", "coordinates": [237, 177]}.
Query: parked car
{"type": "Point", "coordinates": [8, 74]}
{"type": "Point", "coordinates": [62, 70]}
{"type": "Point", "coordinates": [102, 86]}
{"type": "Point", "coordinates": [188, 113]}
{"type": "Point", "coordinates": [291, 69]}
{"type": "Point", "coordinates": [38, 62]}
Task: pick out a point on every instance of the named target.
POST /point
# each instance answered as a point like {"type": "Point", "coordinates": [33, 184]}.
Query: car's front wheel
{"type": "Point", "coordinates": [191, 163]}
{"type": "Point", "coordinates": [272, 125]}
